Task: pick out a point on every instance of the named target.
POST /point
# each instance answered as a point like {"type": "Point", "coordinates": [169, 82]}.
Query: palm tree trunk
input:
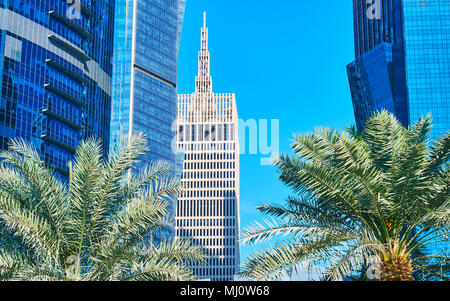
{"type": "Point", "coordinates": [397, 269]}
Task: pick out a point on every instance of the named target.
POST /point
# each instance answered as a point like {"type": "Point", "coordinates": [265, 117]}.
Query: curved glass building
{"type": "Point", "coordinates": [56, 74]}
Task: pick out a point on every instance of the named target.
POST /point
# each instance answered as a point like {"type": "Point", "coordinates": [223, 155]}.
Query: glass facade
{"type": "Point", "coordinates": [377, 76]}
{"type": "Point", "coordinates": [377, 25]}
{"type": "Point", "coordinates": [427, 48]}
{"type": "Point", "coordinates": [407, 41]}
{"type": "Point", "coordinates": [402, 63]}
{"type": "Point", "coordinates": [147, 35]}
{"type": "Point", "coordinates": [55, 62]}
{"type": "Point", "coordinates": [378, 83]}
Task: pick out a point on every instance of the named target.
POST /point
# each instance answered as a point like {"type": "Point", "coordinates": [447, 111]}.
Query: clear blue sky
{"type": "Point", "coordinates": [284, 60]}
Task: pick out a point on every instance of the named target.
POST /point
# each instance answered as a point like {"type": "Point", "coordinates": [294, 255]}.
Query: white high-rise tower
{"type": "Point", "coordinates": [207, 212]}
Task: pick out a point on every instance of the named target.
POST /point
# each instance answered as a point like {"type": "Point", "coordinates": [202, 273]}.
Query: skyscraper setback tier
{"type": "Point", "coordinates": [207, 212]}
{"type": "Point", "coordinates": [55, 64]}
{"type": "Point", "coordinates": [402, 61]}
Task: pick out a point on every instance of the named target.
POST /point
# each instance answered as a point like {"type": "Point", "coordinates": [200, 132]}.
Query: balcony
{"type": "Point", "coordinates": [61, 119]}
{"type": "Point", "coordinates": [76, 28]}
{"type": "Point", "coordinates": [55, 40]}
{"type": "Point", "coordinates": [66, 71]}
{"type": "Point", "coordinates": [64, 95]}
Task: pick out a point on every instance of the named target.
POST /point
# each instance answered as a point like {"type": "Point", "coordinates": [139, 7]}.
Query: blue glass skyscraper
{"type": "Point", "coordinates": [402, 60]}
{"type": "Point", "coordinates": [426, 32]}
{"type": "Point", "coordinates": [146, 39]}
{"type": "Point", "coordinates": [402, 63]}
{"type": "Point", "coordinates": [147, 34]}
{"type": "Point", "coordinates": [55, 63]}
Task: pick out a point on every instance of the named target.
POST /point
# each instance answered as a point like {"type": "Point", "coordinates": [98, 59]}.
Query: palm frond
{"type": "Point", "coordinates": [381, 194]}
{"type": "Point", "coordinates": [97, 229]}
{"type": "Point", "coordinates": [31, 227]}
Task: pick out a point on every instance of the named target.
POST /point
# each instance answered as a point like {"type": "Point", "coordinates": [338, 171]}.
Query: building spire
{"type": "Point", "coordinates": [204, 19]}
{"type": "Point", "coordinates": [203, 82]}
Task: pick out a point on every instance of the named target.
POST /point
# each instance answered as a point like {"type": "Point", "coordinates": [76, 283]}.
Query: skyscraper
{"type": "Point", "coordinates": [402, 63]}
{"type": "Point", "coordinates": [402, 60]}
{"type": "Point", "coordinates": [147, 35]}
{"type": "Point", "coordinates": [55, 59]}
{"type": "Point", "coordinates": [208, 210]}
{"type": "Point", "coordinates": [146, 43]}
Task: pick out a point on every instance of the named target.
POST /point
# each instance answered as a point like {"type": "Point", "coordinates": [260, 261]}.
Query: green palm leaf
{"type": "Point", "coordinates": [382, 194]}
{"type": "Point", "coordinates": [94, 228]}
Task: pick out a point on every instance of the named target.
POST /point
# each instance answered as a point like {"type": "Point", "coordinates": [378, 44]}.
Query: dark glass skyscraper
{"type": "Point", "coordinates": [55, 62]}
{"type": "Point", "coordinates": [402, 61]}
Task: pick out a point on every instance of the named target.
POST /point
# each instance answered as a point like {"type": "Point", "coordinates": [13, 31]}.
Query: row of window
{"type": "Point", "coordinates": [209, 242]}
{"type": "Point", "coordinates": [205, 222]}
{"type": "Point", "coordinates": [216, 262]}
{"type": "Point", "coordinates": [208, 184]}
{"type": "Point", "coordinates": [209, 156]}
{"type": "Point", "coordinates": [206, 232]}
{"type": "Point", "coordinates": [221, 175]}
{"type": "Point", "coordinates": [207, 208]}
{"type": "Point", "coordinates": [208, 194]}
{"type": "Point", "coordinates": [207, 147]}
{"type": "Point", "coordinates": [215, 274]}
{"type": "Point", "coordinates": [209, 165]}
{"type": "Point", "coordinates": [206, 132]}
{"type": "Point", "coordinates": [220, 251]}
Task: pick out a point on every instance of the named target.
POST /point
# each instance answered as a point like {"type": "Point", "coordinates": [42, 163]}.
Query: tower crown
{"type": "Point", "coordinates": [204, 105]}
{"type": "Point", "coordinates": [203, 82]}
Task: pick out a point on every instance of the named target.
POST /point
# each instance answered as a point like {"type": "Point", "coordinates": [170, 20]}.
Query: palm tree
{"type": "Point", "coordinates": [366, 204]}
{"type": "Point", "coordinates": [94, 227]}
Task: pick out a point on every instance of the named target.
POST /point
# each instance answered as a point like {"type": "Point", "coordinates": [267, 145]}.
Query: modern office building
{"type": "Point", "coordinates": [146, 39]}
{"type": "Point", "coordinates": [207, 212]}
{"type": "Point", "coordinates": [55, 63]}
{"type": "Point", "coordinates": [146, 42]}
{"type": "Point", "coordinates": [402, 61]}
